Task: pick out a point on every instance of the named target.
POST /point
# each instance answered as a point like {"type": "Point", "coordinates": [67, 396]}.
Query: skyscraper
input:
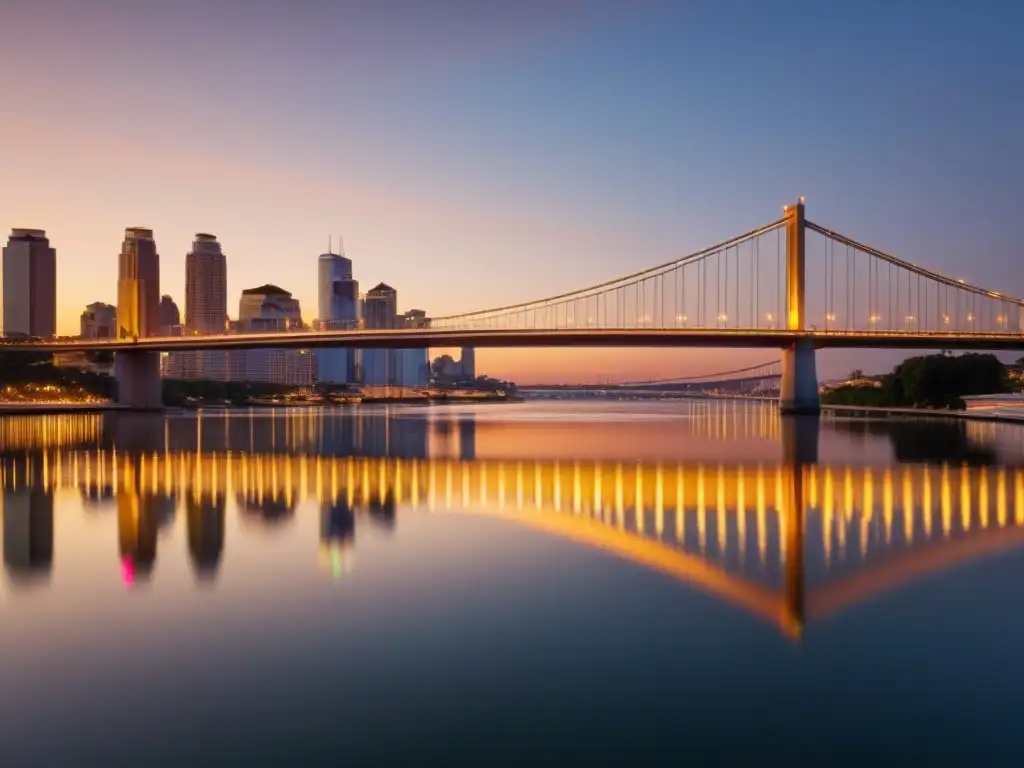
{"type": "Point", "coordinates": [412, 366]}
{"type": "Point", "coordinates": [332, 269]}
{"type": "Point", "coordinates": [30, 285]}
{"type": "Point", "coordinates": [380, 312]}
{"type": "Point", "coordinates": [138, 285]}
{"type": "Point", "coordinates": [206, 286]}
{"type": "Point", "coordinates": [338, 307]}
{"type": "Point", "coordinates": [380, 308]}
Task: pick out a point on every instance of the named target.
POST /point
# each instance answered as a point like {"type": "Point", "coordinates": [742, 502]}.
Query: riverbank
{"type": "Point", "coordinates": [971, 414]}
{"type": "Point", "coordinates": [14, 409]}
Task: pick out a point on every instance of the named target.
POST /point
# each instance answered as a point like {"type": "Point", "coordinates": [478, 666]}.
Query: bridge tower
{"type": "Point", "coordinates": [798, 391]}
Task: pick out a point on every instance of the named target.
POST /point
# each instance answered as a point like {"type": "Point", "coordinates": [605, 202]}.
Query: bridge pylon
{"type": "Point", "coordinates": [798, 390]}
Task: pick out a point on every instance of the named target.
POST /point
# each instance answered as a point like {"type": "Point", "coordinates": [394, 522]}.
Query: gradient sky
{"type": "Point", "coordinates": [480, 153]}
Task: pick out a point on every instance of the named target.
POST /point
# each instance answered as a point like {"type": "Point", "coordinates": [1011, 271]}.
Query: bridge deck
{"type": "Point", "coordinates": [615, 337]}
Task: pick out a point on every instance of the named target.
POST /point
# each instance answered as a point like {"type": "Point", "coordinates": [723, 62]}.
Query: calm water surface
{"type": "Point", "coordinates": [592, 582]}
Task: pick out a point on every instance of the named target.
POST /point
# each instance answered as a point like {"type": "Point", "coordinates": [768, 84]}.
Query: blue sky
{"type": "Point", "coordinates": [476, 154]}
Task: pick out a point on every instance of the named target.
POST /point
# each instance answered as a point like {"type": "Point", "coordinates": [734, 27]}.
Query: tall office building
{"type": "Point", "coordinates": [380, 312]}
{"type": "Point", "coordinates": [332, 269]}
{"type": "Point", "coordinates": [138, 285]}
{"type": "Point", "coordinates": [99, 321]}
{"type": "Point", "coordinates": [338, 305]}
{"type": "Point", "coordinates": [30, 285]}
{"type": "Point", "coordinates": [380, 307]}
{"type": "Point", "coordinates": [268, 308]}
{"type": "Point", "coordinates": [206, 286]}
{"type": "Point", "coordinates": [412, 366]}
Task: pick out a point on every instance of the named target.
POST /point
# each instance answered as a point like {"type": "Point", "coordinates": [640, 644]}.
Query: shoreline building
{"type": "Point", "coordinates": [206, 286]}
{"type": "Point", "coordinates": [29, 285]}
{"type": "Point", "coordinates": [266, 309]}
{"type": "Point", "coordinates": [206, 308]}
{"type": "Point", "coordinates": [338, 309]}
{"type": "Point", "coordinates": [412, 366]}
{"type": "Point", "coordinates": [98, 321]}
{"type": "Point", "coordinates": [380, 312]}
{"type": "Point", "coordinates": [138, 285]}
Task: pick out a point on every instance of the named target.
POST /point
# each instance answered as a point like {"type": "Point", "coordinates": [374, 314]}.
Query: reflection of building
{"type": "Point", "coordinates": [99, 321]}
{"type": "Point", "coordinates": [337, 536]}
{"type": "Point", "coordinates": [467, 439]}
{"type": "Point", "coordinates": [270, 509]}
{"type": "Point", "coordinates": [29, 285]}
{"type": "Point", "coordinates": [205, 519]}
{"type": "Point", "coordinates": [28, 533]}
{"type": "Point", "coordinates": [137, 524]}
{"type": "Point", "coordinates": [95, 497]}
{"type": "Point", "coordinates": [138, 285]}
{"type": "Point", "coordinates": [164, 507]}
{"type": "Point", "coordinates": [337, 522]}
{"type": "Point", "coordinates": [382, 511]}
{"type": "Point", "coordinates": [206, 286]}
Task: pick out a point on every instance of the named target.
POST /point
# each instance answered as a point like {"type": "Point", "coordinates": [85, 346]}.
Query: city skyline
{"type": "Point", "coordinates": [574, 144]}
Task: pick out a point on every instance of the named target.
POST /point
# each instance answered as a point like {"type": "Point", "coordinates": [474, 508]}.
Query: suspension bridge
{"type": "Point", "coordinates": [791, 284]}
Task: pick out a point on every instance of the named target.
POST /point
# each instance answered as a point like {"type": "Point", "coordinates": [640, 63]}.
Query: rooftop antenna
{"type": "Point", "coordinates": [328, 243]}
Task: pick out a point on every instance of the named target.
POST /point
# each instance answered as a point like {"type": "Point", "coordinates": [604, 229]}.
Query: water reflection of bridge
{"type": "Point", "coordinates": [791, 543]}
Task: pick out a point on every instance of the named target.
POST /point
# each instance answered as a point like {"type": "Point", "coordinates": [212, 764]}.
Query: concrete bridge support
{"type": "Point", "coordinates": [798, 390]}
{"type": "Point", "coordinates": [138, 380]}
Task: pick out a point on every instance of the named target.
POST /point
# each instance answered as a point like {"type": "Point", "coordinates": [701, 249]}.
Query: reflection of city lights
{"type": "Point", "coordinates": [127, 571]}
{"type": "Point", "coordinates": [338, 558]}
{"type": "Point", "coordinates": [595, 491]}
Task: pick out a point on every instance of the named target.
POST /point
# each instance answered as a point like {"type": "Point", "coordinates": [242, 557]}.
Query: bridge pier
{"type": "Point", "coordinates": [138, 380]}
{"type": "Point", "coordinates": [798, 390]}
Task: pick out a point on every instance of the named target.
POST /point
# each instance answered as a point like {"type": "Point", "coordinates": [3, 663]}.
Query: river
{"type": "Point", "coordinates": [641, 583]}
